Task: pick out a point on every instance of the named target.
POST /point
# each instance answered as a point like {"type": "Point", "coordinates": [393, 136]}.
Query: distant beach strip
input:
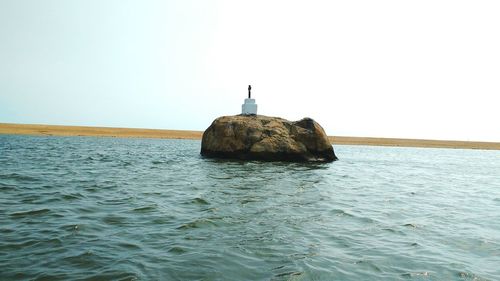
{"type": "Point", "coordinates": [57, 130]}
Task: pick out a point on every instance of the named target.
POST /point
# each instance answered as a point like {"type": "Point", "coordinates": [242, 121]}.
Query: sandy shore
{"type": "Point", "coordinates": [54, 130]}
{"type": "Point", "coordinates": [415, 143]}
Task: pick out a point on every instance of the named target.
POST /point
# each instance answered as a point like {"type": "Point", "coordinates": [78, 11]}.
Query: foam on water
{"type": "Point", "coordinates": [142, 209]}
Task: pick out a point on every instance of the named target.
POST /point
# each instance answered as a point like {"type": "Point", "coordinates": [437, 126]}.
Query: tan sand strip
{"type": "Point", "coordinates": [56, 130]}
{"type": "Point", "coordinates": [415, 143]}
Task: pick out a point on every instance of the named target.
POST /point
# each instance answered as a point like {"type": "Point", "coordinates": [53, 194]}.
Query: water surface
{"type": "Point", "coordinates": [142, 209]}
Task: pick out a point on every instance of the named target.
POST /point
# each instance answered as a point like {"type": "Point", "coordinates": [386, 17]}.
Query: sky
{"type": "Point", "coordinates": [388, 68]}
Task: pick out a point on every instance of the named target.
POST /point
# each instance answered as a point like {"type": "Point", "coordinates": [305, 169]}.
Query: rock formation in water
{"type": "Point", "coordinates": [257, 137]}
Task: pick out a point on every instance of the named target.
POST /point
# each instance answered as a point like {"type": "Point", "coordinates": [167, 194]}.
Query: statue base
{"type": "Point", "coordinates": [249, 107]}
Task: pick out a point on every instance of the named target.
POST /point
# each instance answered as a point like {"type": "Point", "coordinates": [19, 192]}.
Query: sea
{"type": "Point", "coordinates": [87, 208]}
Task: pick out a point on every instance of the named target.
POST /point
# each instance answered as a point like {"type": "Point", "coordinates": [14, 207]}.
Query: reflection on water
{"type": "Point", "coordinates": [142, 209]}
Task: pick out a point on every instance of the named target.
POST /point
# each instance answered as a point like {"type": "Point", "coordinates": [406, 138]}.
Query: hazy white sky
{"type": "Point", "coordinates": [414, 69]}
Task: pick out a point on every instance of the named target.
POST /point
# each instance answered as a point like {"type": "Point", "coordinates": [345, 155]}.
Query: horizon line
{"type": "Point", "coordinates": [122, 132]}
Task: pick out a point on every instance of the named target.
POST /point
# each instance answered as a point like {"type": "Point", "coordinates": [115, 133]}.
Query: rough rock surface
{"type": "Point", "coordinates": [257, 137]}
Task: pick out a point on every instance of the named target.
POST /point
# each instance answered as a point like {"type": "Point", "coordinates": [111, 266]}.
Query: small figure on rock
{"type": "Point", "coordinates": [249, 107]}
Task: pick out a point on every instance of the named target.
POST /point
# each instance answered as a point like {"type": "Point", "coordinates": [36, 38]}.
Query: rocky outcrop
{"type": "Point", "coordinates": [257, 137]}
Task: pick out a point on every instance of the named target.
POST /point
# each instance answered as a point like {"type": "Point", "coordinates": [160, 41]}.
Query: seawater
{"type": "Point", "coordinates": [84, 208]}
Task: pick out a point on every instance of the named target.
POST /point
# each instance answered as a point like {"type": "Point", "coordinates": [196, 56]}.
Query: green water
{"type": "Point", "coordinates": [84, 208]}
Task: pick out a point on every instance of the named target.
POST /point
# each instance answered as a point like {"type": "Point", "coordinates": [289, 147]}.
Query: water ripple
{"type": "Point", "coordinates": [30, 213]}
{"type": "Point", "coordinates": [85, 208]}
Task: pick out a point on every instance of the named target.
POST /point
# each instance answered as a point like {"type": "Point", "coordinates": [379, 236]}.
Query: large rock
{"type": "Point", "coordinates": [256, 137]}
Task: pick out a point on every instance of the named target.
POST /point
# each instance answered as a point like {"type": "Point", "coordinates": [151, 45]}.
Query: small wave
{"type": "Point", "coordinates": [129, 246]}
{"type": "Point", "coordinates": [289, 274]}
{"type": "Point", "coordinates": [31, 243]}
{"type": "Point", "coordinates": [7, 230]}
{"type": "Point", "coordinates": [369, 264]}
{"type": "Point", "coordinates": [221, 177]}
{"type": "Point", "coordinates": [395, 231]}
{"type": "Point", "coordinates": [7, 187]}
{"type": "Point", "coordinates": [197, 224]}
{"type": "Point", "coordinates": [341, 213]}
{"type": "Point", "coordinates": [152, 193]}
{"type": "Point", "coordinates": [412, 225]}
{"type": "Point", "coordinates": [19, 177]}
{"type": "Point", "coordinates": [49, 276]}
{"type": "Point", "coordinates": [177, 250]}
{"type": "Point", "coordinates": [201, 201]}
{"type": "Point", "coordinates": [248, 200]}
{"type": "Point", "coordinates": [30, 213]}
{"type": "Point", "coordinates": [16, 246]}
{"type": "Point", "coordinates": [113, 275]}
{"type": "Point", "coordinates": [300, 256]}
{"type": "Point", "coordinates": [71, 227]}
{"type": "Point", "coordinates": [416, 274]}
{"type": "Point", "coordinates": [92, 188]}
{"type": "Point", "coordinates": [31, 198]}
{"type": "Point", "coordinates": [145, 209]}
{"type": "Point", "coordinates": [114, 220]}
{"type": "Point", "coordinates": [104, 158]}
{"type": "Point", "coordinates": [470, 276]}
{"type": "Point", "coordinates": [163, 220]}
{"type": "Point", "coordinates": [73, 196]}
{"type": "Point", "coordinates": [86, 259]}
{"type": "Point", "coordinates": [114, 202]}
{"type": "Point", "coordinates": [86, 209]}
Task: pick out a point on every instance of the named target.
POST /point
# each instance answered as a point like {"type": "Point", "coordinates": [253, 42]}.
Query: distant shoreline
{"type": "Point", "coordinates": [57, 130]}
